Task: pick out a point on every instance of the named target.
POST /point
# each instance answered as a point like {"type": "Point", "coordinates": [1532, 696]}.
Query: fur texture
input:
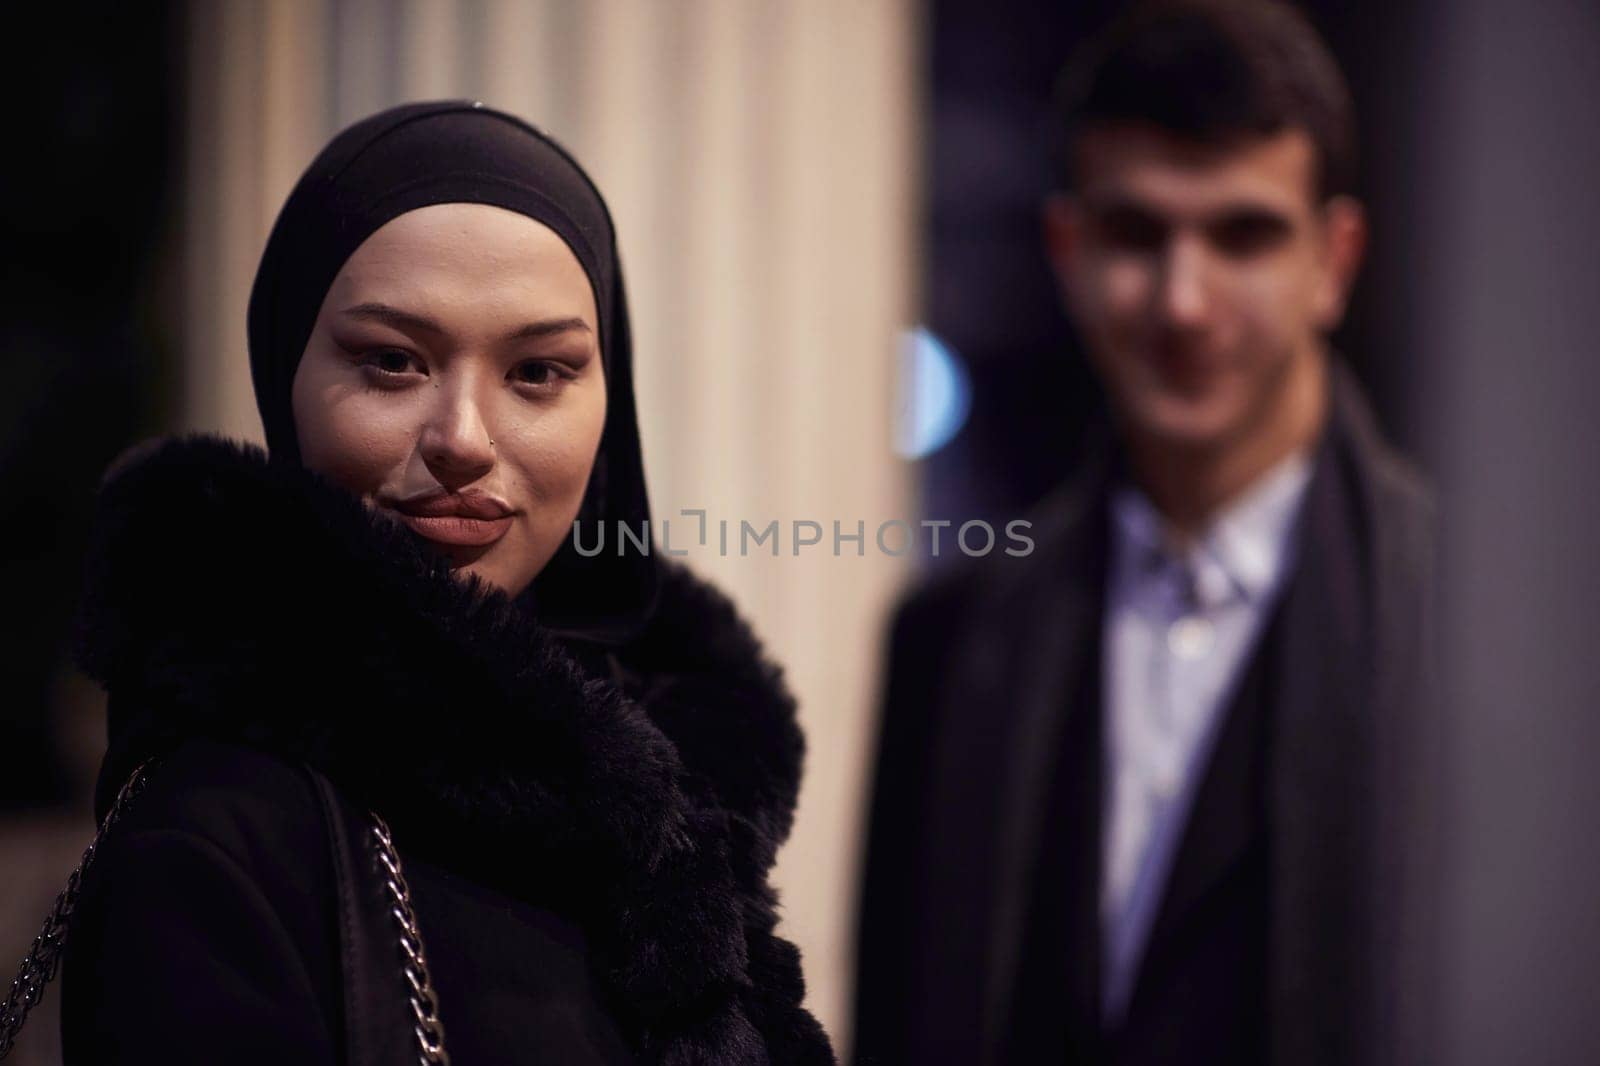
{"type": "Point", "coordinates": [645, 792]}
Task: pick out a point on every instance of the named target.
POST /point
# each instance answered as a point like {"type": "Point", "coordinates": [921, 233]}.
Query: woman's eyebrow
{"type": "Point", "coordinates": [392, 316]}
{"type": "Point", "coordinates": [411, 321]}
{"type": "Point", "coordinates": [548, 327]}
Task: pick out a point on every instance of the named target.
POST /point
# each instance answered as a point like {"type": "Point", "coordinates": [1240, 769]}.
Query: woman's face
{"type": "Point", "coordinates": [453, 379]}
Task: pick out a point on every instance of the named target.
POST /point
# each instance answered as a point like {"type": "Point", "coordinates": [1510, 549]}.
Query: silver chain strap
{"type": "Point", "coordinates": [40, 964]}
{"type": "Point", "coordinates": [414, 965]}
{"type": "Point", "coordinates": [44, 958]}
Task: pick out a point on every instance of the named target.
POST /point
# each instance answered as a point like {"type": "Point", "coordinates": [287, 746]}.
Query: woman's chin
{"type": "Point", "coordinates": [463, 560]}
{"type": "Point", "coordinates": [496, 566]}
{"type": "Point", "coordinates": [483, 577]}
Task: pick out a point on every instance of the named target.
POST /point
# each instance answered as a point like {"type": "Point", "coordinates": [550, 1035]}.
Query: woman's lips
{"type": "Point", "coordinates": [469, 519]}
{"type": "Point", "coordinates": [457, 529]}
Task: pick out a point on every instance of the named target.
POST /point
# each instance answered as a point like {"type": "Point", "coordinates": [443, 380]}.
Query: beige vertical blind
{"type": "Point", "coordinates": [760, 159]}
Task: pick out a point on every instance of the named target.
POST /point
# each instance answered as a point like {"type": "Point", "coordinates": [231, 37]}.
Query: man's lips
{"type": "Point", "coordinates": [1185, 367]}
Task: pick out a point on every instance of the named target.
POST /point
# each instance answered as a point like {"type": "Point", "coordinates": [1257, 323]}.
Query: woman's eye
{"type": "Point", "coordinates": [389, 368]}
{"type": "Point", "coordinates": [389, 361]}
{"type": "Point", "coordinates": [539, 374]}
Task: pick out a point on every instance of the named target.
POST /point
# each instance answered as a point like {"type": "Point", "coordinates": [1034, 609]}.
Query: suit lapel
{"type": "Point", "coordinates": [1309, 682]}
{"type": "Point", "coordinates": [1024, 643]}
{"type": "Point", "coordinates": [1226, 817]}
{"type": "Point", "coordinates": [1320, 769]}
{"type": "Point", "coordinates": [1054, 647]}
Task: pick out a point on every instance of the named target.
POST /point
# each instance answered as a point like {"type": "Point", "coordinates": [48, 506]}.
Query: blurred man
{"type": "Point", "coordinates": [1134, 789]}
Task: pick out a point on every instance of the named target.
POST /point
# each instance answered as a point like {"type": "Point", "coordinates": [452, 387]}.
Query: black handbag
{"type": "Point", "coordinates": [377, 930]}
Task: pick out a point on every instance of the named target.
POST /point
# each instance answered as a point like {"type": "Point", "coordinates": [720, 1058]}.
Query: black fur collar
{"type": "Point", "coordinates": [230, 597]}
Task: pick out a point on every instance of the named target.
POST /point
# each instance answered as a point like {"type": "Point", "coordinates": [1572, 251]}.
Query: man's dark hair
{"type": "Point", "coordinates": [1212, 71]}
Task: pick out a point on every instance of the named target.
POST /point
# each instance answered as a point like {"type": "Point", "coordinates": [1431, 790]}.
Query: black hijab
{"type": "Point", "coordinates": [459, 151]}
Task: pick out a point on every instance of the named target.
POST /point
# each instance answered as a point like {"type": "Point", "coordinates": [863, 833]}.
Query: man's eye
{"type": "Point", "coordinates": [1248, 234]}
{"type": "Point", "coordinates": [1132, 231]}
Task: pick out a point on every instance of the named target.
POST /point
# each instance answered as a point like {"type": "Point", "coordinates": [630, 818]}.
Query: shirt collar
{"type": "Point", "coordinates": [1246, 548]}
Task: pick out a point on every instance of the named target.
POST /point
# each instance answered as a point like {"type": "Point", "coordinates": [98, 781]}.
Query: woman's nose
{"type": "Point", "coordinates": [455, 443]}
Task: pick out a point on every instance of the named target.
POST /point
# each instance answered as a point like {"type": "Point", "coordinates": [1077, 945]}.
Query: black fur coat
{"type": "Point", "coordinates": [588, 833]}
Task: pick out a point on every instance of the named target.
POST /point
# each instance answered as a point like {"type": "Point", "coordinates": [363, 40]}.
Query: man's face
{"type": "Point", "coordinates": [1200, 274]}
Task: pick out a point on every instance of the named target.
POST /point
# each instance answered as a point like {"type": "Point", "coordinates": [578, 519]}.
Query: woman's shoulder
{"type": "Point", "coordinates": [223, 843]}
{"type": "Point", "coordinates": [210, 897]}
{"type": "Point", "coordinates": [258, 811]}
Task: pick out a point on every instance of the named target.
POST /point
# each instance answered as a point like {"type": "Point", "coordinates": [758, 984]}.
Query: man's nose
{"type": "Point", "coordinates": [1184, 294]}
{"type": "Point", "coordinates": [455, 443]}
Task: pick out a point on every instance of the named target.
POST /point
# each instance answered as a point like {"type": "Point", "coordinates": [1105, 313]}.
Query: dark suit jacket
{"type": "Point", "coordinates": [988, 780]}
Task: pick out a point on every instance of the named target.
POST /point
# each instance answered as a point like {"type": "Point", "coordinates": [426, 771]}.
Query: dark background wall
{"type": "Point", "coordinates": [89, 194]}
{"type": "Point", "coordinates": [1508, 271]}
{"type": "Point", "coordinates": [86, 195]}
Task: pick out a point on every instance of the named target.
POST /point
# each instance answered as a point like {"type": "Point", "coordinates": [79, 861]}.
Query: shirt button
{"type": "Point", "coordinates": [1191, 637]}
{"type": "Point", "coordinates": [1163, 774]}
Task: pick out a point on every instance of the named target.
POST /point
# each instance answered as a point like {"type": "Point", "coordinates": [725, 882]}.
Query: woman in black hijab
{"type": "Point", "coordinates": [383, 636]}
